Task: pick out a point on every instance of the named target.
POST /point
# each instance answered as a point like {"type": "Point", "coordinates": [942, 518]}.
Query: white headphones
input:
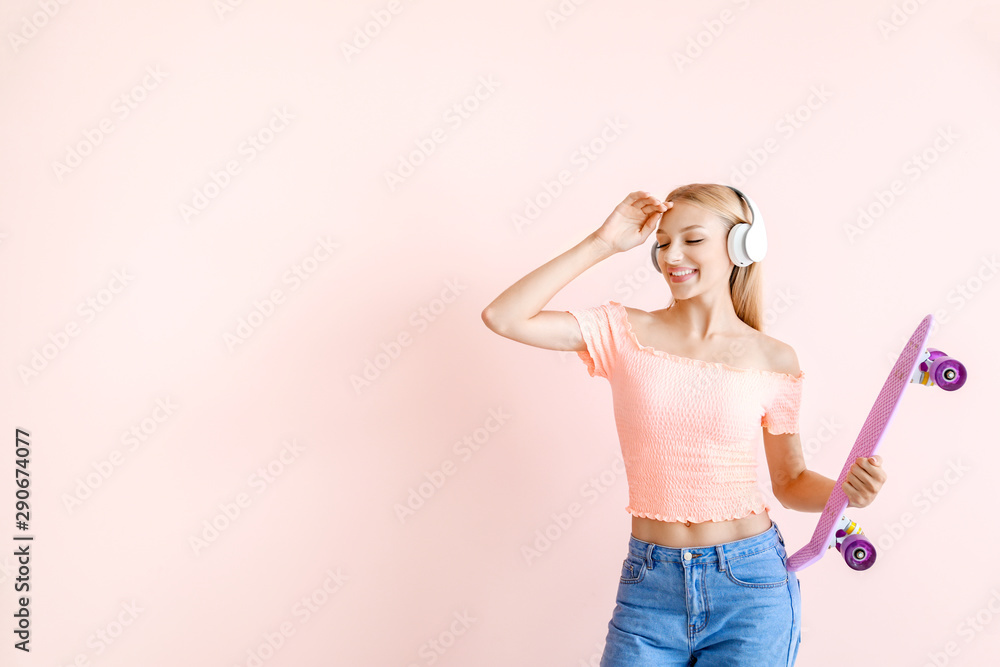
{"type": "Point", "coordinates": [747, 243]}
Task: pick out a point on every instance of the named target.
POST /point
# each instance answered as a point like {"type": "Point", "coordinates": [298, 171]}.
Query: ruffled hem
{"type": "Point", "coordinates": [678, 518]}
{"type": "Point", "coordinates": [701, 363]}
{"type": "Point", "coordinates": [587, 359]}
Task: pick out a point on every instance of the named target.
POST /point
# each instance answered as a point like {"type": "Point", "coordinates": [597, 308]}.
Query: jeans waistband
{"type": "Point", "coordinates": [717, 553]}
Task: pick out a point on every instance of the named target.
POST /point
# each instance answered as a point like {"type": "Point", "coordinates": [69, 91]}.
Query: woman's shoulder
{"type": "Point", "coordinates": [771, 354]}
{"type": "Point", "coordinates": [780, 355]}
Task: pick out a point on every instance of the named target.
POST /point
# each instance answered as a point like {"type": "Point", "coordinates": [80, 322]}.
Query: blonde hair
{"type": "Point", "coordinates": [745, 282]}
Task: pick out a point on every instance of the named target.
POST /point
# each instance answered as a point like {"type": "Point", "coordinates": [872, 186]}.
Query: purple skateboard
{"type": "Point", "coordinates": [916, 364]}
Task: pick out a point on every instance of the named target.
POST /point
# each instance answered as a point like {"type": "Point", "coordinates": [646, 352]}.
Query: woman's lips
{"type": "Point", "coordinates": [680, 279]}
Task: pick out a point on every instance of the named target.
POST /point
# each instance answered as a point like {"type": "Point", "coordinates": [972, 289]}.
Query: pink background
{"type": "Point", "coordinates": [813, 110]}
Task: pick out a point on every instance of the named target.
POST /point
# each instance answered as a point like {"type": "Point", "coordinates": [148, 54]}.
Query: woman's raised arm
{"type": "Point", "coordinates": [517, 313]}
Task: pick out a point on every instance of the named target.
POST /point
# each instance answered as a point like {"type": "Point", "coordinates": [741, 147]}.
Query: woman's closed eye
{"type": "Point", "coordinates": [664, 245]}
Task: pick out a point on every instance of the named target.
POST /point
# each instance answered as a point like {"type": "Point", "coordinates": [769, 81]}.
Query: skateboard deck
{"type": "Point", "coordinates": [858, 552]}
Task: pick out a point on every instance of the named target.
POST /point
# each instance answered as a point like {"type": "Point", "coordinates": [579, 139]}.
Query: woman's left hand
{"type": "Point", "coordinates": [863, 481]}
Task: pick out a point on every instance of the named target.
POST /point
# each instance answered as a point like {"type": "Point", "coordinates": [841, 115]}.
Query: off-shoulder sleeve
{"type": "Point", "coordinates": [598, 334]}
{"type": "Point", "coordinates": [781, 414]}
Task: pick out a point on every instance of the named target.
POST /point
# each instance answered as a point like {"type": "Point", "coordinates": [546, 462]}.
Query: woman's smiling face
{"type": "Point", "coordinates": [691, 237]}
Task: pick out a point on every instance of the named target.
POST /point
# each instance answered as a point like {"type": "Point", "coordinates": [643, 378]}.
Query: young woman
{"type": "Point", "coordinates": [693, 385]}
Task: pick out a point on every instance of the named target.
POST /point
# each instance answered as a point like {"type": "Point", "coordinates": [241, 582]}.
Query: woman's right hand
{"type": "Point", "coordinates": [632, 221]}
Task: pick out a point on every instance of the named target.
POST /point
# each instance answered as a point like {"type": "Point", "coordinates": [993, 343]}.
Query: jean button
{"type": "Point", "coordinates": [687, 555]}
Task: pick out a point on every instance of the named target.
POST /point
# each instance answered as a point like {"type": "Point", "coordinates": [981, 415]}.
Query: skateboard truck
{"type": "Point", "coordinates": [935, 368]}
{"type": "Point", "coordinates": [853, 544]}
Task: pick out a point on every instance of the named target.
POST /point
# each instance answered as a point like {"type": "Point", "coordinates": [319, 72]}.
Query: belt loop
{"type": "Point", "coordinates": [721, 553]}
{"type": "Point", "coordinates": [649, 556]}
{"type": "Point", "coordinates": [778, 531]}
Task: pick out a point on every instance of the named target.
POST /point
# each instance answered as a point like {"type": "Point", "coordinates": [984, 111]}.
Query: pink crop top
{"type": "Point", "coordinates": [689, 429]}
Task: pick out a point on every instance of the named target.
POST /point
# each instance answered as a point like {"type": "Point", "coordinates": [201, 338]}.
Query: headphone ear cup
{"type": "Point", "coordinates": [652, 254]}
{"type": "Point", "coordinates": [747, 242]}
{"type": "Point", "coordinates": [737, 244]}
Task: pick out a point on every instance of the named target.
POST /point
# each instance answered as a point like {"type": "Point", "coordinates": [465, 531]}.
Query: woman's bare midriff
{"type": "Point", "coordinates": [708, 533]}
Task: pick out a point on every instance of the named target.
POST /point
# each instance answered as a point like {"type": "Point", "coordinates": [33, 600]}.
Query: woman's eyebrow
{"type": "Point", "coordinates": [660, 231]}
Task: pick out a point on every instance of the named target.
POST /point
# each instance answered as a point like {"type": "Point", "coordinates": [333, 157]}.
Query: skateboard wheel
{"type": "Point", "coordinates": [858, 552]}
{"type": "Point", "coordinates": [946, 372]}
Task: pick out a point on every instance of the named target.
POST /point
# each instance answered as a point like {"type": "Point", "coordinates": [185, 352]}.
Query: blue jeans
{"type": "Point", "coordinates": [727, 604]}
